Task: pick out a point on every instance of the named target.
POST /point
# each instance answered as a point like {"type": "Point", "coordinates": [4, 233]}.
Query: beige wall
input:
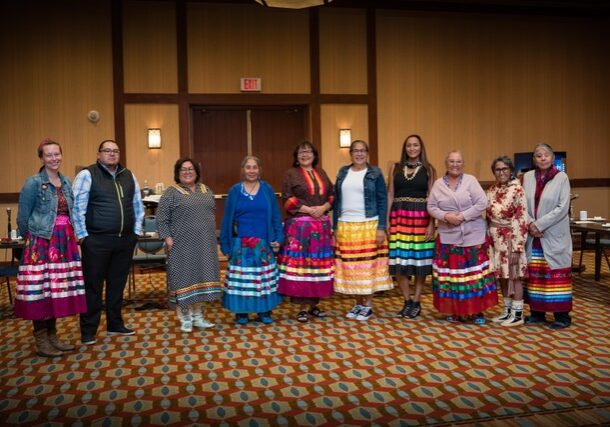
{"type": "Point", "coordinates": [56, 66]}
{"type": "Point", "coordinates": [228, 41]}
{"type": "Point", "coordinates": [485, 84]}
{"type": "Point", "coordinates": [149, 47]}
{"type": "Point", "coordinates": [152, 165]}
{"type": "Point", "coordinates": [491, 85]}
{"type": "Point", "coordinates": [335, 117]}
{"type": "Point", "coordinates": [343, 56]}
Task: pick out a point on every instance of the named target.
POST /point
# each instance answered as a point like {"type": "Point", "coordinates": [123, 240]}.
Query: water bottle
{"type": "Point", "coordinates": [145, 189]}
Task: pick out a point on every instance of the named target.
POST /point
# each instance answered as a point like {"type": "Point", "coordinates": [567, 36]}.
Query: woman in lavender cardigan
{"type": "Point", "coordinates": [462, 282]}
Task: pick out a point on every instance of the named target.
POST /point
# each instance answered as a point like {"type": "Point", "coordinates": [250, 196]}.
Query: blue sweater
{"type": "Point", "coordinates": [275, 232]}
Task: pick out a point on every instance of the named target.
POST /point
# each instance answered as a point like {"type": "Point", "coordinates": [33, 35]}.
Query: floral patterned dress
{"type": "Point", "coordinates": [50, 282]}
{"type": "Point", "coordinates": [507, 220]}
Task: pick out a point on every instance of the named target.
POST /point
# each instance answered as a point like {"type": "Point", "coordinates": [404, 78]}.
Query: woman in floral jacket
{"type": "Point", "coordinates": [507, 220]}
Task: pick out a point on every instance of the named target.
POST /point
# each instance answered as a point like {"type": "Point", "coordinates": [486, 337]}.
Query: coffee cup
{"type": "Point", "coordinates": [583, 215]}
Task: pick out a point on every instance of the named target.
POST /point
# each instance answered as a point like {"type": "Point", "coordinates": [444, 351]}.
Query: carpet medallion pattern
{"type": "Point", "coordinates": [331, 371]}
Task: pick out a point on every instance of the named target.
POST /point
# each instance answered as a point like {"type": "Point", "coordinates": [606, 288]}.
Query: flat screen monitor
{"type": "Point", "coordinates": [524, 162]}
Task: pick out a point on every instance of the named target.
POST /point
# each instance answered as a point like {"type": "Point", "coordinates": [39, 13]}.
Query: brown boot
{"type": "Point", "coordinates": [55, 342]}
{"type": "Point", "coordinates": [44, 348]}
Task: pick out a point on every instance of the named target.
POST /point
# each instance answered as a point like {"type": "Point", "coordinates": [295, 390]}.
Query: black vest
{"type": "Point", "coordinates": [110, 207]}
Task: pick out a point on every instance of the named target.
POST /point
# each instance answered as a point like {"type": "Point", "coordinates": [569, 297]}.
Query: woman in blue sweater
{"type": "Point", "coordinates": [251, 230]}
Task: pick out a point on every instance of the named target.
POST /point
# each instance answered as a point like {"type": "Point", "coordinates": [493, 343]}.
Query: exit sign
{"type": "Point", "coordinates": [250, 84]}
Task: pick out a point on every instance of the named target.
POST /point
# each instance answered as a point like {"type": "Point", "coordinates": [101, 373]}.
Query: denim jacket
{"type": "Point", "coordinates": [38, 204]}
{"type": "Point", "coordinates": [375, 195]}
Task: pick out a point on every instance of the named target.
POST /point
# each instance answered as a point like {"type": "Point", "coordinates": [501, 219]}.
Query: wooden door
{"type": "Point", "coordinates": [275, 133]}
{"type": "Point", "coordinates": [223, 136]}
{"type": "Point", "coordinates": [219, 145]}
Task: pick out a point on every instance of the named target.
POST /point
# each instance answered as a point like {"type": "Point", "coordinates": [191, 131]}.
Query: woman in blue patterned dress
{"type": "Point", "coordinates": [251, 230]}
{"type": "Point", "coordinates": [187, 223]}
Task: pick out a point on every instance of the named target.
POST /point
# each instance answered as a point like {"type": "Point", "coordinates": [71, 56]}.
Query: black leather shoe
{"type": "Point", "coordinates": [88, 340]}
{"type": "Point", "coordinates": [559, 325]}
{"type": "Point", "coordinates": [533, 320]}
{"type": "Point", "coordinates": [121, 330]}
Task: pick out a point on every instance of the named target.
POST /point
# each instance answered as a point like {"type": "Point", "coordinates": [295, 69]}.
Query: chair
{"type": "Point", "coordinates": [590, 244]}
{"type": "Point", "coordinates": [146, 255]}
{"type": "Point", "coordinates": [6, 272]}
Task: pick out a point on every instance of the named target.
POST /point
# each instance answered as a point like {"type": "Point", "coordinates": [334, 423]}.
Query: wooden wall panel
{"type": "Point", "coordinates": [594, 200]}
{"type": "Point", "coordinates": [56, 66]}
{"type": "Point", "coordinates": [149, 47]}
{"type": "Point", "coordinates": [335, 117]}
{"type": "Point", "coordinates": [491, 85]}
{"type": "Point", "coordinates": [228, 41]}
{"type": "Point", "coordinates": [153, 165]}
{"type": "Point", "coordinates": [343, 51]}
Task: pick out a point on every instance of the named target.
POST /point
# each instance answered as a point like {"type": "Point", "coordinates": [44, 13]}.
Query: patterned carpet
{"type": "Point", "coordinates": [386, 371]}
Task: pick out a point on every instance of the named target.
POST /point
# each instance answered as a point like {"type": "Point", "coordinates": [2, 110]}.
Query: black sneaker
{"type": "Point", "coordinates": [404, 312]}
{"type": "Point", "coordinates": [415, 310]}
{"type": "Point", "coordinates": [121, 330]}
{"type": "Point", "coordinates": [88, 340]}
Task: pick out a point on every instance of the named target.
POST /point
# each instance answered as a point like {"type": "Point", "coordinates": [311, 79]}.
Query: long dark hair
{"type": "Point", "coordinates": [422, 157]}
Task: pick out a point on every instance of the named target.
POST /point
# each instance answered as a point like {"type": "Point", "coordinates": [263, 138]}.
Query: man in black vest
{"type": "Point", "coordinates": [108, 214]}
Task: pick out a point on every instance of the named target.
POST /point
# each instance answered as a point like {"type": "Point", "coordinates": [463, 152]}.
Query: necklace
{"type": "Point", "coordinates": [249, 194]}
{"type": "Point", "coordinates": [414, 164]}
{"type": "Point", "coordinates": [410, 176]}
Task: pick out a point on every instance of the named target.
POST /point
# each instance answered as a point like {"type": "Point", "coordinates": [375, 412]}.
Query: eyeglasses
{"type": "Point", "coordinates": [305, 152]}
{"type": "Point", "coordinates": [501, 170]}
{"type": "Point", "coordinates": [109, 151]}
{"type": "Point", "coordinates": [184, 170]}
{"type": "Point", "coordinates": [361, 150]}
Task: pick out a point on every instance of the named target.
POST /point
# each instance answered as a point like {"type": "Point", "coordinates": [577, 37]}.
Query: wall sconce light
{"type": "Point", "coordinates": [345, 138]}
{"type": "Point", "coordinates": [154, 138]}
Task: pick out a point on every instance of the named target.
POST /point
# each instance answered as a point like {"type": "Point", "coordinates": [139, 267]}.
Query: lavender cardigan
{"type": "Point", "coordinates": [470, 200]}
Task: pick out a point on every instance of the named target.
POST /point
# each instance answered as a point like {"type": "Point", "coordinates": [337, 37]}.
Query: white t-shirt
{"type": "Point", "coordinates": [352, 197]}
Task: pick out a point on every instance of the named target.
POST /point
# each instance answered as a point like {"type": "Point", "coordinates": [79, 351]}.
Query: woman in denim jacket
{"type": "Point", "coordinates": [361, 248]}
{"type": "Point", "coordinates": [50, 280]}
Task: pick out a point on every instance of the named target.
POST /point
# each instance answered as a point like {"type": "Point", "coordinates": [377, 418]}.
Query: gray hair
{"type": "Point", "coordinates": [545, 147]}
{"type": "Point", "coordinates": [245, 160]}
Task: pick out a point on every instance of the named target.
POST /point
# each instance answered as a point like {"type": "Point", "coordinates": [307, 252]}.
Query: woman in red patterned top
{"type": "Point", "coordinates": [306, 261]}
{"type": "Point", "coordinates": [507, 220]}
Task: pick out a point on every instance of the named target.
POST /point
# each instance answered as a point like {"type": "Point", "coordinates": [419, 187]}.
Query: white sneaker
{"type": "Point", "coordinates": [353, 313]}
{"type": "Point", "coordinates": [364, 314]}
{"type": "Point", "coordinates": [186, 326]}
{"type": "Point", "coordinates": [202, 323]}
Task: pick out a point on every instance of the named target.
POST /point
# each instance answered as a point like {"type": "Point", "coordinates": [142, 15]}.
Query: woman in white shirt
{"type": "Point", "coordinates": [361, 252]}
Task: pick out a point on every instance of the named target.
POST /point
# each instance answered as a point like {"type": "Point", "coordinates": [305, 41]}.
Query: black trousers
{"type": "Point", "coordinates": [106, 259]}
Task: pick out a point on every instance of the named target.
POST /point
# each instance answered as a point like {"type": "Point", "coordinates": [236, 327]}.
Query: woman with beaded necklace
{"type": "Point", "coordinates": [410, 228]}
{"type": "Point", "coordinates": [251, 230]}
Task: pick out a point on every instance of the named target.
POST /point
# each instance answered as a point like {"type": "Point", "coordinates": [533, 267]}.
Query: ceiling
{"type": "Point", "coordinates": [600, 8]}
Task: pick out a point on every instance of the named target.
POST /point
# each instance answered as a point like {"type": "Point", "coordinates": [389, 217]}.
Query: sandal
{"type": "Point", "coordinates": [454, 319]}
{"type": "Point", "coordinates": [316, 312]}
{"type": "Point", "coordinates": [303, 317]}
